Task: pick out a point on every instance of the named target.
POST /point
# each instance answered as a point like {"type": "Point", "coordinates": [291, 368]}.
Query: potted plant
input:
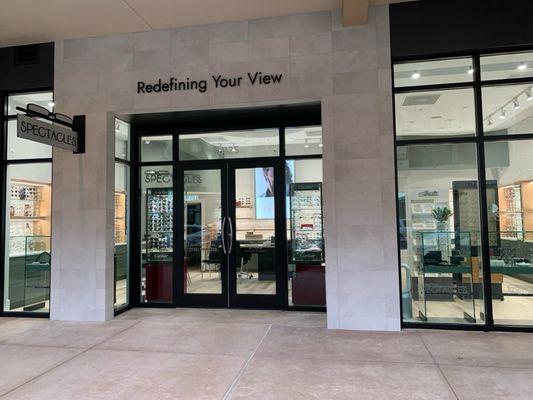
{"type": "Point", "coordinates": [441, 215]}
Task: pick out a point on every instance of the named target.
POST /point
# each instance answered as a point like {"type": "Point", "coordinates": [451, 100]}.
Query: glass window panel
{"type": "Point", "coordinates": [510, 215]}
{"type": "Point", "coordinates": [255, 230]}
{"type": "Point", "coordinates": [27, 257]}
{"type": "Point", "coordinates": [508, 110]}
{"type": "Point", "coordinates": [203, 233]}
{"type": "Point", "coordinates": [18, 148]}
{"type": "Point", "coordinates": [157, 208]}
{"type": "Point", "coordinates": [306, 268]}
{"type": "Point", "coordinates": [122, 139]}
{"type": "Point", "coordinates": [433, 72]}
{"type": "Point", "coordinates": [303, 140]}
{"type": "Point", "coordinates": [507, 66]}
{"type": "Point", "coordinates": [43, 99]}
{"type": "Point", "coordinates": [230, 144]}
{"type": "Point", "coordinates": [435, 114]}
{"type": "Point", "coordinates": [440, 241]}
{"type": "Point", "coordinates": [156, 148]}
{"type": "Point", "coordinates": [121, 236]}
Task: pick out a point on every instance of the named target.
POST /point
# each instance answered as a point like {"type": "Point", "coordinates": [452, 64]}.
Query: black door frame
{"type": "Point", "coordinates": [177, 124]}
{"type": "Point", "coordinates": [229, 297]}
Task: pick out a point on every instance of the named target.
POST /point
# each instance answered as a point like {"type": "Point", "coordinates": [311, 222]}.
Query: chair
{"type": "Point", "coordinates": [212, 260]}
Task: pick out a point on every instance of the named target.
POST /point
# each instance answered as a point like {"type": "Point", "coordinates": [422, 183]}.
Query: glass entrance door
{"type": "Point", "coordinates": [232, 230]}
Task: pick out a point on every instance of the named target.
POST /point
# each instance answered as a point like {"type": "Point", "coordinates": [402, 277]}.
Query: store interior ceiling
{"type": "Point", "coordinates": [451, 112]}
{"type": "Point", "coordinates": [34, 21]}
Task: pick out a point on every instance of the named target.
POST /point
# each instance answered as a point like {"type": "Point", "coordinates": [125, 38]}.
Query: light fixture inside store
{"type": "Point", "coordinates": [234, 149]}
{"type": "Point", "coordinates": [415, 75]}
{"type": "Point", "coordinates": [51, 104]}
{"type": "Point", "coordinates": [320, 144]}
{"type": "Point", "coordinates": [516, 104]}
{"type": "Point", "coordinates": [502, 114]}
{"type": "Point", "coordinates": [470, 70]}
{"type": "Point", "coordinates": [306, 145]}
{"type": "Point", "coordinates": [522, 66]}
{"type": "Point", "coordinates": [529, 95]}
{"type": "Point", "coordinates": [146, 142]}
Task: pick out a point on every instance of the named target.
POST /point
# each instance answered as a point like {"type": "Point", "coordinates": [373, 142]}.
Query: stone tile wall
{"type": "Point", "coordinates": [346, 69]}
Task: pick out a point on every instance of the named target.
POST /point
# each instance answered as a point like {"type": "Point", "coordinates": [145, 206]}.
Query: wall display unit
{"type": "Point", "coordinates": [158, 245]}
{"type": "Point", "coordinates": [28, 214]}
{"type": "Point", "coordinates": [510, 212]}
{"type": "Point", "coordinates": [306, 222]}
{"type": "Point", "coordinates": [121, 202]}
{"type": "Point", "coordinates": [159, 224]}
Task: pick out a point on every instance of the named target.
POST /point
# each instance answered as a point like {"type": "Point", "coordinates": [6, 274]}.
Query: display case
{"type": "Point", "coordinates": [307, 243]}
{"type": "Point", "coordinates": [158, 245]}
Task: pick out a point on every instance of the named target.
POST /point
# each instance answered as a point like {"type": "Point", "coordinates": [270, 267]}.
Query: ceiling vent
{"type": "Point", "coordinates": [421, 100]}
{"type": "Point", "coordinates": [27, 55]}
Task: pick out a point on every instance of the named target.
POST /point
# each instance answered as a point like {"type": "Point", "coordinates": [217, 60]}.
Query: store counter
{"type": "Point", "coordinates": [257, 257]}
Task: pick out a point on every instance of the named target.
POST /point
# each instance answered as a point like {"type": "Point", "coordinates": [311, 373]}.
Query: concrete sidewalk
{"type": "Point", "coordinates": [249, 354]}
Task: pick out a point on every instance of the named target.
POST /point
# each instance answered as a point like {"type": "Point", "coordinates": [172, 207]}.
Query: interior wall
{"type": "Point", "coordinates": [347, 69]}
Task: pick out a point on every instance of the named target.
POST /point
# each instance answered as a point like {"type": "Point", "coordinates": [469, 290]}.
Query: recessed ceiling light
{"type": "Point", "coordinates": [147, 142]}
{"type": "Point", "coordinates": [470, 70]}
{"type": "Point", "coordinates": [502, 114]}
{"type": "Point", "coordinates": [522, 66]}
{"type": "Point", "coordinates": [51, 104]}
{"type": "Point", "coordinates": [516, 104]}
{"type": "Point", "coordinates": [415, 75]}
{"type": "Point", "coordinates": [320, 144]}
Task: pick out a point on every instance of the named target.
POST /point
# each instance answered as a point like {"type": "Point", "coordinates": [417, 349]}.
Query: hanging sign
{"type": "Point", "coordinates": [57, 130]}
{"type": "Point", "coordinates": [44, 132]}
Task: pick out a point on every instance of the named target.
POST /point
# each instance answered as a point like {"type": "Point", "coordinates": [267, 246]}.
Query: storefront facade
{"type": "Point", "coordinates": [312, 170]}
{"type": "Point", "coordinates": [320, 93]}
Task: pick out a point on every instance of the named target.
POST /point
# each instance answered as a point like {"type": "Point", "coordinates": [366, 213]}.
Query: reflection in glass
{"type": "Point", "coordinates": [440, 242]}
{"type": "Point", "coordinates": [510, 215]}
{"type": "Point", "coordinates": [203, 245]}
{"type": "Point", "coordinates": [507, 66]}
{"type": "Point", "coordinates": [307, 283]}
{"type": "Point", "coordinates": [43, 99]}
{"type": "Point", "coordinates": [121, 233]}
{"type": "Point", "coordinates": [435, 114]}
{"type": "Point", "coordinates": [27, 255]}
{"type": "Point", "coordinates": [122, 139]}
{"type": "Point", "coordinates": [304, 140]}
{"type": "Point", "coordinates": [433, 72]}
{"type": "Point", "coordinates": [508, 109]}
{"type": "Point", "coordinates": [229, 144]}
{"type": "Point", "coordinates": [255, 250]}
{"type": "Point", "coordinates": [157, 210]}
{"type": "Point", "coordinates": [156, 148]}
{"type": "Point", "coordinates": [18, 148]}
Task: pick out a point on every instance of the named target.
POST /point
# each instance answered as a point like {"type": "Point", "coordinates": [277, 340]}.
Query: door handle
{"type": "Point", "coordinates": [230, 235]}
{"type": "Point", "coordinates": [223, 235]}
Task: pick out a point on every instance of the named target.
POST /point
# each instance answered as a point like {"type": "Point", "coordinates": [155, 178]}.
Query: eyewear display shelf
{"type": "Point", "coordinates": [157, 257]}
{"type": "Point", "coordinates": [307, 244]}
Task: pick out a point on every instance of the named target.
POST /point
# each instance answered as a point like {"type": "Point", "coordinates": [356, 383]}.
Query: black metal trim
{"type": "Point", "coordinates": [176, 130]}
{"type": "Point", "coordinates": [482, 197]}
{"type": "Point", "coordinates": [434, 87]}
{"type": "Point", "coordinates": [479, 140]}
{"type": "Point", "coordinates": [4, 164]}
